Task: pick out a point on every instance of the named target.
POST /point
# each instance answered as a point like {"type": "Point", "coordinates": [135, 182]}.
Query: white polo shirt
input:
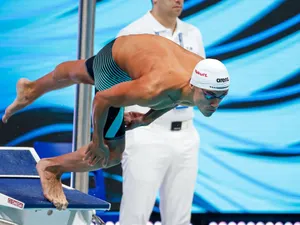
{"type": "Point", "coordinates": [186, 35]}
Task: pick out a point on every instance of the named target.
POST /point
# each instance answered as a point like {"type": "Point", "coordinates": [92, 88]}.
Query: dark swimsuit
{"type": "Point", "coordinates": [106, 73]}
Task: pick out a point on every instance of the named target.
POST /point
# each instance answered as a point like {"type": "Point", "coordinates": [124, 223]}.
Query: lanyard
{"type": "Point", "coordinates": [179, 38]}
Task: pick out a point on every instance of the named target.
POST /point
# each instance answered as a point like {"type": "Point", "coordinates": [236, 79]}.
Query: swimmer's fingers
{"type": "Point", "coordinates": [127, 119]}
{"type": "Point", "coordinates": [131, 125]}
{"type": "Point", "coordinates": [128, 127]}
{"type": "Point", "coordinates": [128, 124]}
{"type": "Point", "coordinates": [94, 160]}
{"type": "Point", "coordinates": [105, 161]}
{"type": "Point", "coordinates": [88, 154]}
{"type": "Point", "coordinates": [97, 160]}
{"type": "Point", "coordinates": [135, 115]}
{"type": "Point", "coordinates": [105, 158]}
{"type": "Point", "coordinates": [134, 124]}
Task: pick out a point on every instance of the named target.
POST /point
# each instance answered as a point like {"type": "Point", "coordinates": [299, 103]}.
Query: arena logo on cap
{"type": "Point", "coordinates": [201, 74]}
{"type": "Point", "coordinates": [219, 80]}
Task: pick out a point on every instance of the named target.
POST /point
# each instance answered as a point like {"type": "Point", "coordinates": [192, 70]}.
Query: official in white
{"type": "Point", "coordinates": [164, 155]}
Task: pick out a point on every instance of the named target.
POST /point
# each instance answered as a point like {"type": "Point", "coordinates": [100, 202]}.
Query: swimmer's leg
{"type": "Point", "coordinates": [51, 169]}
{"type": "Point", "coordinates": [64, 75]}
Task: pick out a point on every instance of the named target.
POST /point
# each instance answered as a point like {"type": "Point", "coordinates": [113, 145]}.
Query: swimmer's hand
{"type": "Point", "coordinates": [96, 153]}
{"type": "Point", "coordinates": [134, 119]}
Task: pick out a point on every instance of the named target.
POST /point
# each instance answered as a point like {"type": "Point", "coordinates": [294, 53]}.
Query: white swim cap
{"type": "Point", "coordinates": [211, 74]}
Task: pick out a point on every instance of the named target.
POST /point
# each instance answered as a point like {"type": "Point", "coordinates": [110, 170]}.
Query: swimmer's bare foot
{"type": "Point", "coordinates": [51, 184]}
{"type": "Point", "coordinates": [24, 98]}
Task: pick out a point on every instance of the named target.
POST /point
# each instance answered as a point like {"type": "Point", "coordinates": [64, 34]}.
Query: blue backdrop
{"type": "Point", "coordinates": [249, 158]}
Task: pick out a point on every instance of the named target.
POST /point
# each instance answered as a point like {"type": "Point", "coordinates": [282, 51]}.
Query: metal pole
{"type": "Point", "coordinates": [82, 111]}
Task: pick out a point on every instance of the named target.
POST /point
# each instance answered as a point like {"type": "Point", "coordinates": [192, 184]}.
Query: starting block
{"type": "Point", "coordinates": [21, 197]}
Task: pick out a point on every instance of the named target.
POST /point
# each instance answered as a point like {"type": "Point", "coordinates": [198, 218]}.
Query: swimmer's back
{"type": "Point", "coordinates": [140, 54]}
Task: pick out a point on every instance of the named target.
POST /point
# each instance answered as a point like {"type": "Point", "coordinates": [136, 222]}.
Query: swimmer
{"type": "Point", "coordinates": [145, 70]}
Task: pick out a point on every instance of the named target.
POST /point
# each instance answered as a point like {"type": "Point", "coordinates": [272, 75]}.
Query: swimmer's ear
{"type": "Point", "coordinates": [192, 86]}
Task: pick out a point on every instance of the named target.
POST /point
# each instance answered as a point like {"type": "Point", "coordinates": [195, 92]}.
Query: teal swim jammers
{"type": "Point", "coordinates": [106, 73]}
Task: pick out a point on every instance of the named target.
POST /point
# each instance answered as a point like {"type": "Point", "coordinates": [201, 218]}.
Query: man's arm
{"type": "Point", "coordinates": [124, 94]}
{"type": "Point", "coordinates": [136, 119]}
{"type": "Point", "coordinates": [152, 114]}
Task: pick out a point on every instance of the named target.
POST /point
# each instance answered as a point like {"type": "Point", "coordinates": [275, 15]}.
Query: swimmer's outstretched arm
{"type": "Point", "coordinates": [153, 114]}
{"type": "Point", "coordinates": [135, 119]}
{"type": "Point", "coordinates": [138, 91]}
{"type": "Point", "coordinates": [123, 94]}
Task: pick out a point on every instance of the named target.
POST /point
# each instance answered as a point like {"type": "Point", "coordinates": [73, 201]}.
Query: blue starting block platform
{"type": "Point", "coordinates": [22, 200]}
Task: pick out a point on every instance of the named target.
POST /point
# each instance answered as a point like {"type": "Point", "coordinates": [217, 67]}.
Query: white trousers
{"type": "Point", "coordinates": [157, 159]}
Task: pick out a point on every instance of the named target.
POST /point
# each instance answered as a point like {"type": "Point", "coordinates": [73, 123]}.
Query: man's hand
{"type": "Point", "coordinates": [133, 120]}
{"type": "Point", "coordinates": [95, 153]}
